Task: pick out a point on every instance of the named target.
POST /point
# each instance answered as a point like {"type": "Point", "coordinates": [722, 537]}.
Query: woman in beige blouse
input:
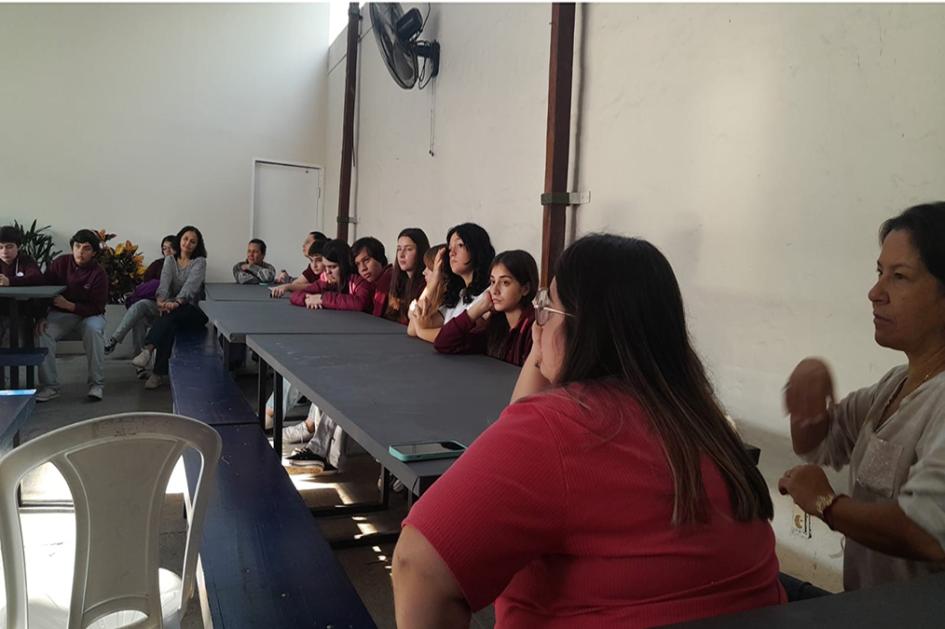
{"type": "Point", "coordinates": [891, 434]}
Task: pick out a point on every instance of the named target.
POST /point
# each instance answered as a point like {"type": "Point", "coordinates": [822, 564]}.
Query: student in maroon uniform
{"type": "Point", "coordinates": [142, 306]}
{"type": "Point", "coordinates": [16, 268]}
{"type": "Point", "coordinates": [344, 289]}
{"type": "Point", "coordinates": [371, 263]}
{"type": "Point", "coordinates": [81, 305]}
{"type": "Point", "coordinates": [168, 248]}
{"type": "Point", "coordinates": [309, 274]}
{"type": "Point", "coordinates": [499, 322]}
{"type": "Point", "coordinates": [612, 492]}
{"type": "Point", "coordinates": [407, 281]}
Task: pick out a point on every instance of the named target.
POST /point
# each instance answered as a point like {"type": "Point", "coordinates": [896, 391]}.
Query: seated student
{"type": "Point", "coordinates": [182, 282]}
{"type": "Point", "coordinates": [407, 281]}
{"type": "Point", "coordinates": [466, 276]}
{"type": "Point", "coordinates": [423, 313]}
{"type": "Point", "coordinates": [291, 395]}
{"type": "Point", "coordinates": [344, 289]}
{"type": "Point", "coordinates": [141, 305]}
{"type": "Point", "coordinates": [371, 263]}
{"type": "Point", "coordinates": [81, 304]}
{"type": "Point", "coordinates": [292, 283]}
{"type": "Point", "coordinates": [168, 248]}
{"type": "Point", "coordinates": [254, 269]}
{"type": "Point", "coordinates": [16, 268]}
{"type": "Point", "coordinates": [311, 273]}
{"type": "Point", "coordinates": [612, 492]}
{"type": "Point", "coordinates": [507, 334]}
{"type": "Point", "coordinates": [348, 290]}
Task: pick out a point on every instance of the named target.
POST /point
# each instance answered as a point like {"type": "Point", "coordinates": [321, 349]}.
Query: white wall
{"type": "Point", "coordinates": [486, 167]}
{"type": "Point", "coordinates": [143, 118]}
{"type": "Point", "coordinates": [759, 146]}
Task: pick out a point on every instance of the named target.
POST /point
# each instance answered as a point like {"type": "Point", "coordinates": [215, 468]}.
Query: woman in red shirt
{"type": "Point", "coordinates": [499, 322]}
{"type": "Point", "coordinates": [612, 492]}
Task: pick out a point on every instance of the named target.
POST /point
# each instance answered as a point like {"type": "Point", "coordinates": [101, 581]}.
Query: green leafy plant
{"type": "Point", "coordinates": [123, 265]}
{"type": "Point", "coordinates": [37, 244]}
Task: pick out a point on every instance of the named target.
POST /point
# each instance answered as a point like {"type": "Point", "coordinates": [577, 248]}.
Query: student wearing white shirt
{"type": "Point", "coordinates": [465, 278]}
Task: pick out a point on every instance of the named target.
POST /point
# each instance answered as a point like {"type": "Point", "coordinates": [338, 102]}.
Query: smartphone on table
{"type": "Point", "coordinates": [425, 450]}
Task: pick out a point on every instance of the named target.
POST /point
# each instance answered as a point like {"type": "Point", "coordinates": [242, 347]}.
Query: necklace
{"type": "Point", "coordinates": [899, 388]}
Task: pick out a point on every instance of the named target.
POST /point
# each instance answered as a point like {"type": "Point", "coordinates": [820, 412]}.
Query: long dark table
{"type": "Point", "coordinates": [219, 291]}
{"type": "Point", "coordinates": [916, 604]}
{"type": "Point", "coordinates": [387, 389]}
{"type": "Point", "coordinates": [236, 320]}
{"type": "Point", "coordinates": [15, 295]}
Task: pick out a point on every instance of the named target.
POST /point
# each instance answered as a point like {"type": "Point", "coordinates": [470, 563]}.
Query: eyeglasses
{"type": "Point", "coordinates": [543, 309]}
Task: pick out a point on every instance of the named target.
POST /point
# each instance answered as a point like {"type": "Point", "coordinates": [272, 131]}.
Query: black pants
{"type": "Point", "coordinates": [162, 332]}
{"type": "Point", "coordinates": [798, 590]}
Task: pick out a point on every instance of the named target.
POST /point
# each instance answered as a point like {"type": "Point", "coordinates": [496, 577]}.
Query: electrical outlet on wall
{"type": "Point", "coordinates": [800, 523]}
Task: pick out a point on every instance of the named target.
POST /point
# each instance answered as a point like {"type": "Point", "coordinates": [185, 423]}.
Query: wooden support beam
{"type": "Point", "coordinates": [347, 141]}
{"type": "Point", "coordinates": [558, 138]}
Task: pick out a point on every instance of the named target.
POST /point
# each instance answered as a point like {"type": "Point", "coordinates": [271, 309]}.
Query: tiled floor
{"type": "Point", "coordinates": [367, 567]}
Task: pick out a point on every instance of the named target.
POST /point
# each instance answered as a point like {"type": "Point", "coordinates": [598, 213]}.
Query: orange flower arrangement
{"type": "Point", "coordinates": [123, 265]}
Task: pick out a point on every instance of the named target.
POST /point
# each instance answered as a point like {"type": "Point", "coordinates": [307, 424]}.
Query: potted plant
{"type": "Point", "coordinates": [37, 244]}
{"type": "Point", "coordinates": [123, 265]}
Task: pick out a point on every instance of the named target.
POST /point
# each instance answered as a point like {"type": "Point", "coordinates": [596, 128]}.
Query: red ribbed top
{"type": "Point", "coordinates": [560, 513]}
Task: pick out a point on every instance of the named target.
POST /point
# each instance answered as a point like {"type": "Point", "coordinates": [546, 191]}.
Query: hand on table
{"type": "Point", "coordinates": [277, 292]}
{"type": "Point", "coordinates": [313, 302]}
{"type": "Point", "coordinates": [4, 280]}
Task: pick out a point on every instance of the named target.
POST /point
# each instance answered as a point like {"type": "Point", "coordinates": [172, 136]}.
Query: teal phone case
{"type": "Point", "coordinates": [446, 454]}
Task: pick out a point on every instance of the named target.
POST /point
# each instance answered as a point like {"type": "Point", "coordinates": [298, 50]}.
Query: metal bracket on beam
{"type": "Point", "coordinates": [566, 198]}
{"type": "Point", "coordinates": [350, 220]}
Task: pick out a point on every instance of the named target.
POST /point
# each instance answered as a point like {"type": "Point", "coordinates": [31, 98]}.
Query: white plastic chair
{"type": "Point", "coordinates": [117, 468]}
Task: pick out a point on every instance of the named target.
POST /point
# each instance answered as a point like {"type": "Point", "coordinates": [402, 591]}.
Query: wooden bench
{"type": "Point", "coordinates": [14, 358]}
{"type": "Point", "coordinates": [200, 385]}
{"type": "Point", "coordinates": [263, 560]}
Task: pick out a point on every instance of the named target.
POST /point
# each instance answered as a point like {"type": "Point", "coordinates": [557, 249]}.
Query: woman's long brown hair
{"type": "Point", "coordinates": [630, 327]}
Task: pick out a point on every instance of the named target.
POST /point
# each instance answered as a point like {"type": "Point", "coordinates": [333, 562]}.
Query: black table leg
{"type": "Point", "coordinates": [14, 341]}
{"type": "Point", "coordinates": [30, 343]}
{"type": "Point", "coordinates": [226, 352]}
{"type": "Point", "coordinates": [261, 392]}
{"type": "Point", "coordinates": [277, 415]}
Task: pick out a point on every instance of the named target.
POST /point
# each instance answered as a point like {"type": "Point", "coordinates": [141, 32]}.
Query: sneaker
{"type": "Point", "coordinates": [142, 359]}
{"type": "Point", "coordinates": [296, 433]}
{"type": "Point", "coordinates": [47, 393]}
{"type": "Point", "coordinates": [110, 345]}
{"type": "Point", "coordinates": [303, 457]}
{"type": "Point", "coordinates": [141, 373]}
{"type": "Point", "coordinates": [155, 381]}
{"type": "Point", "coordinates": [96, 392]}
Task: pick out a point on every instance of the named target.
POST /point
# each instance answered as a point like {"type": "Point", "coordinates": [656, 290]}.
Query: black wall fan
{"type": "Point", "coordinates": [397, 35]}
